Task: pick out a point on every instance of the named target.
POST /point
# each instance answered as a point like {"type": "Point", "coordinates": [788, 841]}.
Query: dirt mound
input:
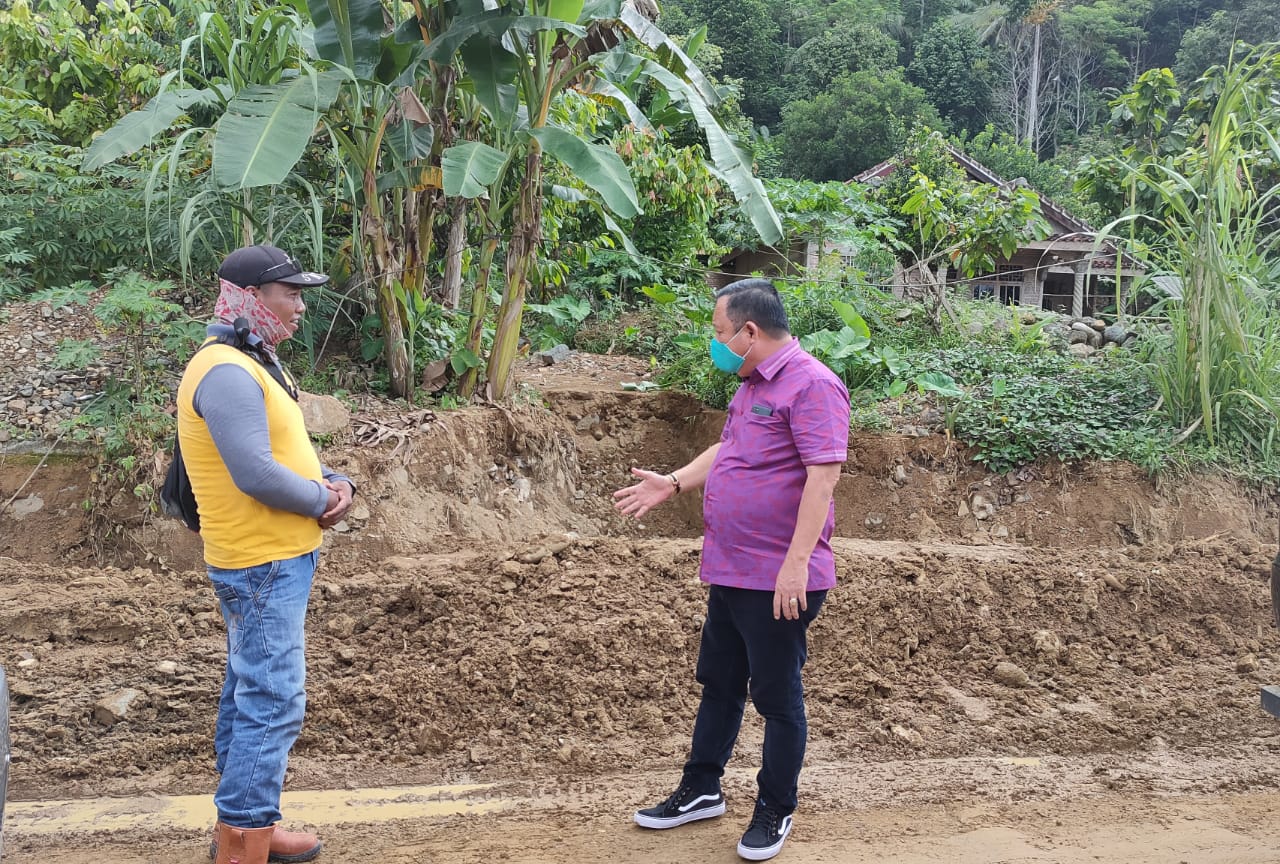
{"type": "Point", "coordinates": [484, 613]}
{"type": "Point", "coordinates": [576, 657]}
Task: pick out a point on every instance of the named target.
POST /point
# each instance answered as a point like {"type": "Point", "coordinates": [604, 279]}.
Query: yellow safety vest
{"type": "Point", "coordinates": [240, 531]}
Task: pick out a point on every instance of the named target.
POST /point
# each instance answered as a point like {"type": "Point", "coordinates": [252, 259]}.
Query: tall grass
{"type": "Point", "coordinates": [1217, 365]}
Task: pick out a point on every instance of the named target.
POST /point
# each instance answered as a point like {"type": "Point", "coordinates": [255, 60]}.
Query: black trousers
{"type": "Point", "coordinates": [744, 650]}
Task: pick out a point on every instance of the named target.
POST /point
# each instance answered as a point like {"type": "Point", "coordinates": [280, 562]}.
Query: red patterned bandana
{"type": "Point", "coordinates": [236, 302]}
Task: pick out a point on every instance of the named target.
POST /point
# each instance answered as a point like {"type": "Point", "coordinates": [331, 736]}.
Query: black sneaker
{"type": "Point", "coordinates": [765, 835]}
{"type": "Point", "coordinates": [684, 805]}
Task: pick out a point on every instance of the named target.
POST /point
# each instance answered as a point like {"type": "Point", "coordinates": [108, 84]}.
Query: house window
{"type": "Point", "coordinates": [1004, 285]}
{"type": "Point", "coordinates": [1009, 277]}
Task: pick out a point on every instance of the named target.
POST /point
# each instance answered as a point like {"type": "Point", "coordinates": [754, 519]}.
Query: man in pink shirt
{"type": "Point", "coordinates": [766, 553]}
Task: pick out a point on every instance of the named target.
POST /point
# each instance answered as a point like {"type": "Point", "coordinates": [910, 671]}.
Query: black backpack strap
{"type": "Point", "coordinates": [273, 367]}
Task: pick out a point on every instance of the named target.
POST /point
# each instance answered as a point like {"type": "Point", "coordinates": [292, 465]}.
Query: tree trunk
{"type": "Point", "coordinates": [395, 348]}
{"type": "Point", "coordinates": [525, 236]}
{"type": "Point", "coordinates": [452, 289]}
{"type": "Point", "coordinates": [479, 305]}
{"type": "Point", "coordinates": [1033, 95]}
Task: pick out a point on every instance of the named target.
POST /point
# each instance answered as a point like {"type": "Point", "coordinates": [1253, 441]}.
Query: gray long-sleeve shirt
{"type": "Point", "coordinates": [232, 404]}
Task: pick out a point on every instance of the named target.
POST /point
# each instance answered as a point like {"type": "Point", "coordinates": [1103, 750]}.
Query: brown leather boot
{"type": "Point", "coordinates": [287, 847]}
{"type": "Point", "coordinates": [243, 845]}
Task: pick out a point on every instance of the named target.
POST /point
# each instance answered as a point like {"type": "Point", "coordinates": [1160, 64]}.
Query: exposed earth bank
{"type": "Point", "coordinates": [999, 645]}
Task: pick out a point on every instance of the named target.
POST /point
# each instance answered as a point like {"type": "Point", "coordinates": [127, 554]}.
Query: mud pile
{"type": "Point", "coordinates": [576, 657]}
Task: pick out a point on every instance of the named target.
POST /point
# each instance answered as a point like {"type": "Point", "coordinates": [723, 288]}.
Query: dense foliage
{"type": "Point", "coordinates": [485, 177]}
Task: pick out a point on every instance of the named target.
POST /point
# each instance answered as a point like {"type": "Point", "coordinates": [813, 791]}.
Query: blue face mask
{"type": "Point", "coordinates": [724, 358]}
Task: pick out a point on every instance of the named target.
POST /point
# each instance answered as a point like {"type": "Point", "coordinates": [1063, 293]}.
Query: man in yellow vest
{"type": "Point", "coordinates": [263, 499]}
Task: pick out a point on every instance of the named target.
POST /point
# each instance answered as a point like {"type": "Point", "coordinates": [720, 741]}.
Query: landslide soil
{"type": "Point", "coordinates": [485, 616]}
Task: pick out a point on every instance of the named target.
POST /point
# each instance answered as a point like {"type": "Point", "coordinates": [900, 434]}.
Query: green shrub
{"type": "Point", "coordinates": [58, 225]}
{"type": "Point", "coordinates": [1076, 411]}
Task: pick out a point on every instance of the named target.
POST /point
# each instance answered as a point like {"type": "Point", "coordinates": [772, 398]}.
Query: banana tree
{"type": "Point", "coordinates": [360, 86]}
{"type": "Point", "coordinates": [249, 70]}
{"type": "Point", "coordinates": [519, 59]}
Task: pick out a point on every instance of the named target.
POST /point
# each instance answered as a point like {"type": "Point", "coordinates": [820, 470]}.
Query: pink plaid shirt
{"type": "Point", "coordinates": [790, 412]}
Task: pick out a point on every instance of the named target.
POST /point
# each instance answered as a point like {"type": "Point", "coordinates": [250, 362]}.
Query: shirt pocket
{"type": "Point", "coordinates": [760, 433]}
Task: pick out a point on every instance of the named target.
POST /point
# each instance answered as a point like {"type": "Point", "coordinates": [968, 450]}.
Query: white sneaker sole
{"type": "Point", "coordinates": [675, 821]}
{"type": "Point", "coordinates": [767, 852]}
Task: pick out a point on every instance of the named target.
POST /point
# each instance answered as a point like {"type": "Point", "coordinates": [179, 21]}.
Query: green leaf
{"type": "Point", "coordinates": [464, 359]}
{"type": "Point", "coordinates": [601, 10]}
{"type": "Point", "coordinates": [491, 72]}
{"type": "Point", "coordinates": [597, 166]}
{"type": "Point", "coordinates": [893, 363]}
{"type": "Point", "coordinates": [731, 163]}
{"type": "Point", "coordinates": [648, 33]}
{"type": "Point", "coordinates": [565, 10]}
{"type": "Point", "coordinates": [896, 389]}
{"type": "Point", "coordinates": [658, 294]}
{"type": "Point", "coordinates": [470, 168]}
{"type": "Point", "coordinates": [576, 196]}
{"type": "Point", "coordinates": [608, 91]}
{"type": "Point", "coordinates": [695, 40]}
{"type": "Point", "coordinates": [444, 46]}
{"type": "Point", "coordinates": [349, 32]}
{"type": "Point", "coordinates": [938, 382]}
{"type": "Point", "coordinates": [266, 128]}
{"type": "Point", "coordinates": [136, 129]}
{"type": "Point", "coordinates": [851, 318]}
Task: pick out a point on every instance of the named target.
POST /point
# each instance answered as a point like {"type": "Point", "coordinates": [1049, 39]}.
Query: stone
{"type": "Point", "coordinates": [324, 415]}
{"type": "Point", "coordinates": [1047, 643]}
{"type": "Point", "coordinates": [110, 710]}
{"type": "Point", "coordinates": [24, 507]}
{"type": "Point", "coordinates": [1077, 337]}
{"type": "Point", "coordinates": [1000, 532]}
{"type": "Point", "coordinates": [1011, 674]}
{"type": "Point", "coordinates": [1115, 334]}
{"type": "Point", "coordinates": [360, 513]}
{"type": "Point", "coordinates": [902, 733]}
{"type": "Point", "coordinates": [874, 520]}
{"type": "Point", "coordinates": [1081, 351]}
{"type": "Point", "coordinates": [900, 475]}
{"type": "Point", "coordinates": [17, 405]}
{"type": "Point", "coordinates": [29, 663]}
{"type": "Point", "coordinates": [1247, 663]}
{"type": "Point", "coordinates": [983, 507]}
{"type": "Point", "coordinates": [524, 489]}
{"type": "Point", "coordinates": [1098, 324]}
{"type": "Point", "coordinates": [558, 354]}
{"type": "Point", "coordinates": [167, 667]}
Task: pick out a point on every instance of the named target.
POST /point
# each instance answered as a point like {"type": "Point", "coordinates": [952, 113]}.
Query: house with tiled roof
{"type": "Point", "coordinates": [1067, 271]}
{"type": "Point", "coordinates": [1062, 273]}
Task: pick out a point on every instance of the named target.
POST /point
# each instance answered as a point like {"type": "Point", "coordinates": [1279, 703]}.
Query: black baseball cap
{"type": "Point", "coordinates": [256, 265]}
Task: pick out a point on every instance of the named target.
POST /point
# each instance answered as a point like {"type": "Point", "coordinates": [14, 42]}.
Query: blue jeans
{"type": "Point", "coordinates": [744, 650]}
{"type": "Point", "coordinates": [260, 712]}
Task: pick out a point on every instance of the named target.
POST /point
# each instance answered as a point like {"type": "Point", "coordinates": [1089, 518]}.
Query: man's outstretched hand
{"type": "Point", "coordinates": [651, 491]}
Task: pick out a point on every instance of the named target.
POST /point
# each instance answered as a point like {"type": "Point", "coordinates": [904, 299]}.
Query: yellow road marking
{"type": "Point", "coordinates": [330, 807]}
